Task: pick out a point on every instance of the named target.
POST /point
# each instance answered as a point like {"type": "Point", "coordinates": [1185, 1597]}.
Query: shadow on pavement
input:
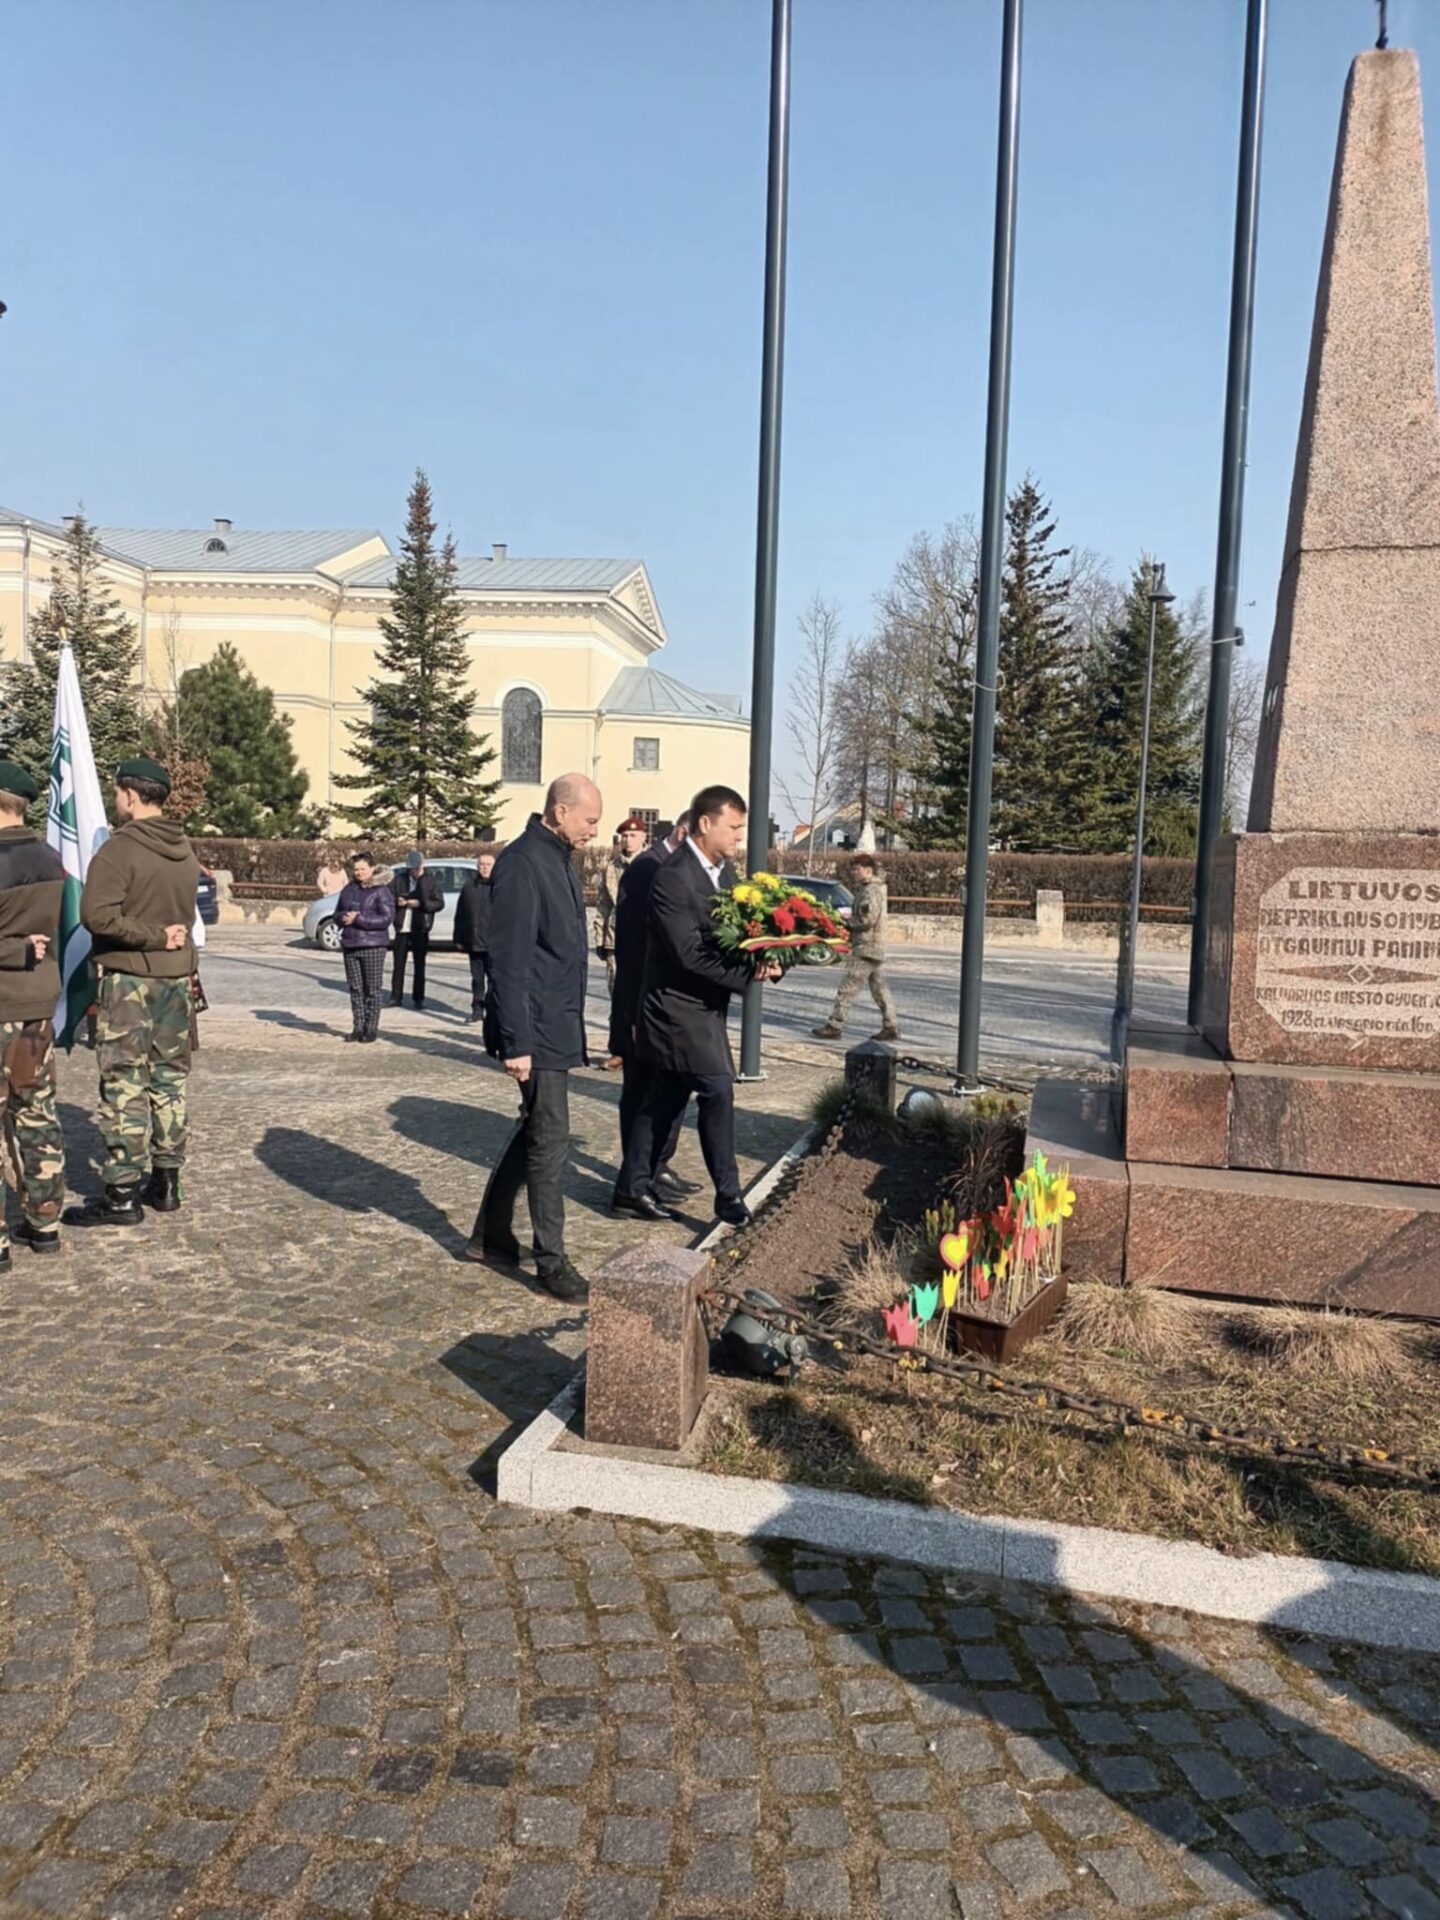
{"type": "Point", "coordinates": [516, 1374]}
{"type": "Point", "coordinates": [354, 1182]}
{"type": "Point", "coordinates": [1238, 1775]}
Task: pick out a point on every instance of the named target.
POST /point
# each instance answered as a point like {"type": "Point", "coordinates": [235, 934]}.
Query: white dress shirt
{"type": "Point", "coordinates": [713, 872]}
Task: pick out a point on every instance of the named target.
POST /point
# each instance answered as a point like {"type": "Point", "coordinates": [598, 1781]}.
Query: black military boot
{"type": "Point", "coordinates": [163, 1193]}
{"type": "Point", "coordinates": [111, 1207]}
{"type": "Point", "coordinates": [38, 1239]}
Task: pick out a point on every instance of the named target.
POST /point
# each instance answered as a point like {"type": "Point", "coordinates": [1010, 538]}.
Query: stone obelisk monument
{"type": "Point", "coordinates": [1292, 1149]}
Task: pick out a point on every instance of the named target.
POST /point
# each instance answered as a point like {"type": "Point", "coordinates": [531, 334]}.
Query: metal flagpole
{"type": "Point", "coordinates": [992, 539]}
{"type": "Point", "coordinates": [767, 517]}
{"type": "Point", "coordinates": [1223, 633]}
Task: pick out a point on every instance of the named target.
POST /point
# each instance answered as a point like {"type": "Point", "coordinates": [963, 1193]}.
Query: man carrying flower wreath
{"type": "Point", "coordinates": [684, 999]}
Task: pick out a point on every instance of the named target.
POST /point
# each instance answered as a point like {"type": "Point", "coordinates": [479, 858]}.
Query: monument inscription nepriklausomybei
{"type": "Point", "coordinates": [1351, 952]}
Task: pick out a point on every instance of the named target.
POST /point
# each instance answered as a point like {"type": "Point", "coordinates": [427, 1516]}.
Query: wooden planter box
{"type": "Point", "coordinates": [1001, 1340]}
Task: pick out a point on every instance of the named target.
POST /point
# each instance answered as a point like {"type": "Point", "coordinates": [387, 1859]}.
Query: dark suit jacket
{"type": "Point", "coordinates": [472, 915]}
{"type": "Point", "coordinates": [423, 887]}
{"type": "Point", "coordinates": [627, 931]}
{"type": "Point", "coordinates": [539, 951]}
{"type": "Point", "coordinates": [687, 982]}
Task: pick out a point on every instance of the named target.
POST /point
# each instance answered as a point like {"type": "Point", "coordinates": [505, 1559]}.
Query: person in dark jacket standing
{"type": "Point", "coordinates": [365, 910]}
{"type": "Point", "coordinates": [32, 882]}
{"type": "Point", "coordinates": [139, 907]}
{"type": "Point", "coordinates": [685, 996]}
{"type": "Point", "coordinates": [472, 929]}
{"type": "Point", "coordinates": [535, 1026]}
{"type": "Point", "coordinates": [418, 898]}
{"type": "Point", "coordinates": [628, 928]}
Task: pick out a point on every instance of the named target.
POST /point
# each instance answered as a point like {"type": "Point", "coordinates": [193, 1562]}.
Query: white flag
{"type": "Point", "coordinates": [77, 826]}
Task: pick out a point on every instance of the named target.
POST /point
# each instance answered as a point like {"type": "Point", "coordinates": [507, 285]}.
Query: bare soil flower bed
{"type": "Point", "coordinates": [862, 1424]}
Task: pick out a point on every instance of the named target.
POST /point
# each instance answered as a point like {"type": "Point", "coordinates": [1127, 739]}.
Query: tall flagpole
{"type": "Point", "coordinates": [1223, 632]}
{"type": "Point", "coordinates": [767, 515]}
{"type": "Point", "coordinates": [992, 540]}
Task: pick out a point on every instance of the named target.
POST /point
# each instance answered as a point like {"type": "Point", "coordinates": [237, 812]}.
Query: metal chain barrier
{"type": "Point", "coordinates": [1337, 1456]}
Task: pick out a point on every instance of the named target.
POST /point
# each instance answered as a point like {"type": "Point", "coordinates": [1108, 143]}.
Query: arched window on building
{"type": "Point", "coordinates": [521, 728]}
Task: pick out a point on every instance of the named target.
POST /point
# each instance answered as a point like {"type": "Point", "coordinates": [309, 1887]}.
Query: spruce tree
{"type": "Point", "coordinates": [253, 787]}
{"type": "Point", "coordinates": [1038, 736]}
{"type": "Point", "coordinates": [421, 764]}
{"type": "Point", "coordinates": [1113, 694]}
{"type": "Point", "coordinates": [84, 613]}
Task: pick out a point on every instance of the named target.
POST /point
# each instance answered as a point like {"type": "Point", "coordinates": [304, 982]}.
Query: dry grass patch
{"type": "Point", "coordinates": [1161, 1327]}
{"type": "Point", "coordinates": [870, 1280]}
{"type": "Point", "coordinates": [1323, 1344]}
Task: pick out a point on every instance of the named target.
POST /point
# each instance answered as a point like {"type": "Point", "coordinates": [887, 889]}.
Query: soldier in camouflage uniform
{"type": "Point", "coordinates": [32, 883]}
{"type": "Point", "coordinates": [139, 905]}
{"type": "Point", "coordinates": [865, 966]}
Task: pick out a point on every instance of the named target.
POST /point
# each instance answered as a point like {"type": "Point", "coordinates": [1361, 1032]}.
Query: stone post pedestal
{"type": "Point", "coordinates": [870, 1069]}
{"type": "Point", "coordinates": [649, 1359]}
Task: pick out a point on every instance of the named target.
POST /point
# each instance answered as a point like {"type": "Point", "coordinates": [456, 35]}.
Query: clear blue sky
{"type": "Point", "coordinates": [263, 259]}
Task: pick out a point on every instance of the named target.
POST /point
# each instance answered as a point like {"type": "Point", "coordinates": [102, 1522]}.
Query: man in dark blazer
{"type": "Point", "coordinates": [685, 996]}
{"type": "Point", "coordinates": [535, 1026]}
{"type": "Point", "coordinates": [472, 930]}
{"type": "Point", "coordinates": [628, 931]}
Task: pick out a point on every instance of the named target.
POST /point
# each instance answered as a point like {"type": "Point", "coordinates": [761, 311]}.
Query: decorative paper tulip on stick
{"type": "Point", "coordinates": [995, 1264]}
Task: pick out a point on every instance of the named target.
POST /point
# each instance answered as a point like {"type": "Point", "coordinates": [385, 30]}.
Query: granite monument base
{"type": "Point", "coordinates": [1184, 1106]}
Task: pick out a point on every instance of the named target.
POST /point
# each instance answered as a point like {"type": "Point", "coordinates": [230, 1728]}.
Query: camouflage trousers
{"type": "Point", "coordinates": [143, 1039]}
{"type": "Point", "coordinates": [34, 1146]}
{"type": "Point", "coordinates": [860, 972]}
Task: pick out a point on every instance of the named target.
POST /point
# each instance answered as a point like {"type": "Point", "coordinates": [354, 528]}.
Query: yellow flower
{"type": "Point", "coordinates": [765, 879]}
{"type": "Point", "coordinates": [1062, 1197]}
{"type": "Point", "coordinates": [748, 896]}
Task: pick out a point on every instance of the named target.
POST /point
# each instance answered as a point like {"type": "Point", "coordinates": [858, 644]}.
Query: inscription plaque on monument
{"type": "Point", "coordinates": [1351, 952]}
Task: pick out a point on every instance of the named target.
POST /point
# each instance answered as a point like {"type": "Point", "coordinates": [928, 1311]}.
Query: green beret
{"type": "Point", "coordinates": [142, 767]}
{"type": "Point", "coordinates": [16, 780]}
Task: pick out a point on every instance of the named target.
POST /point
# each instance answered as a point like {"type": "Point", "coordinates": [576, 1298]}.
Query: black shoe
{"type": "Point", "coordinates": [734, 1213]}
{"type": "Point", "coordinates": [394, 1001]}
{"type": "Point", "coordinates": [565, 1282]}
{"type": "Point", "coordinates": [351, 1038]}
{"type": "Point", "coordinates": [494, 1250]}
{"type": "Point", "coordinates": [163, 1193]}
{"type": "Point", "coordinates": [419, 1005]}
{"type": "Point", "coordinates": [644, 1206]}
{"type": "Point", "coordinates": [473, 1019]}
{"type": "Point", "coordinates": [38, 1239]}
{"type": "Point", "coordinates": [5, 1261]}
{"type": "Point", "coordinates": [667, 1185]}
{"type": "Point", "coordinates": [112, 1207]}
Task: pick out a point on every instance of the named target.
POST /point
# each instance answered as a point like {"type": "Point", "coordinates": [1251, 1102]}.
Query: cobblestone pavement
{"type": "Point", "coordinates": [267, 1647]}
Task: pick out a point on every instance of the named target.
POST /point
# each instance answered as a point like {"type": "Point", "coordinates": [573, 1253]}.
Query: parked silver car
{"type": "Point", "coordinates": [835, 897]}
{"type": "Point", "coordinates": [321, 926]}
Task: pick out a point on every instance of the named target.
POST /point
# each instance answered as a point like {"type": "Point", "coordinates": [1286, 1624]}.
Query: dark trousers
{"type": "Point", "coordinates": [415, 943]}
{"type": "Point", "coordinates": [365, 975]}
{"type": "Point", "coordinates": [659, 1117]}
{"type": "Point", "coordinates": [635, 1087]}
{"type": "Point", "coordinates": [534, 1158]}
{"type": "Point", "coordinates": [479, 981]}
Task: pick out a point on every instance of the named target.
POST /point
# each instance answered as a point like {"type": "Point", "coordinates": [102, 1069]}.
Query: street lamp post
{"type": "Point", "coordinates": [1160, 596]}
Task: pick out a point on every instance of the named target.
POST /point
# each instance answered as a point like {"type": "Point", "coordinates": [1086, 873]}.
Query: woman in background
{"type": "Point", "coordinates": [365, 910]}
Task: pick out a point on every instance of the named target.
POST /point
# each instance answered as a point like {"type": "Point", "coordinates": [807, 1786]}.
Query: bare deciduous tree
{"type": "Point", "coordinates": [813, 722]}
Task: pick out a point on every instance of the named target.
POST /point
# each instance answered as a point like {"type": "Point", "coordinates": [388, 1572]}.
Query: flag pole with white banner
{"type": "Point", "coordinates": [76, 827]}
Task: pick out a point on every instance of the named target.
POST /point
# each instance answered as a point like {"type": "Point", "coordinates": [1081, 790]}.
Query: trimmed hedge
{"type": "Point", "coordinates": [1095, 885]}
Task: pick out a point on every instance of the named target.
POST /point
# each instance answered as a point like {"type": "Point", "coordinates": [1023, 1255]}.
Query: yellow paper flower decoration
{"type": "Point", "coordinates": [949, 1288]}
{"type": "Point", "coordinates": [1062, 1198]}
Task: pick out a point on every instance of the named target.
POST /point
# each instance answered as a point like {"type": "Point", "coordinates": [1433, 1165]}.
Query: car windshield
{"type": "Point", "coordinates": [830, 891]}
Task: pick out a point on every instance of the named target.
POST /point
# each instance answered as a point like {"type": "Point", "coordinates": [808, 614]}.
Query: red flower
{"type": "Point", "coordinates": [784, 919]}
{"type": "Point", "coordinates": [804, 912]}
{"type": "Point", "coordinates": [754, 930]}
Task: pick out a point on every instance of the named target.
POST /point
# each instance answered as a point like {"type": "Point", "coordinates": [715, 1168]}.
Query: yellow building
{"type": "Point", "coordinates": [561, 652]}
